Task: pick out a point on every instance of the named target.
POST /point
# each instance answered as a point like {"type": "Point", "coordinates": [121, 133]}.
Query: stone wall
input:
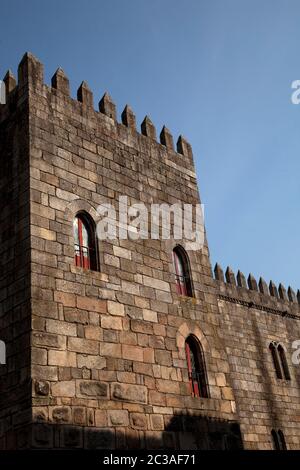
{"type": "Point", "coordinates": [254, 315]}
{"type": "Point", "coordinates": [15, 320]}
{"type": "Point", "coordinates": [107, 347]}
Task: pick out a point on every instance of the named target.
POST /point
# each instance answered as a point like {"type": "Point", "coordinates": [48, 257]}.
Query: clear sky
{"type": "Point", "coordinates": [217, 71]}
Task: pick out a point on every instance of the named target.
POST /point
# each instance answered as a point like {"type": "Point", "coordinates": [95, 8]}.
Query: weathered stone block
{"type": "Point", "coordinates": [49, 340]}
{"type": "Point", "coordinates": [138, 420]}
{"type": "Point", "coordinates": [91, 304]}
{"type": "Point", "coordinates": [122, 252]}
{"type": "Point", "coordinates": [113, 323]}
{"type": "Point", "coordinates": [63, 389]}
{"type": "Point", "coordinates": [83, 346]}
{"type": "Point", "coordinates": [131, 393]}
{"type": "Point", "coordinates": [150, 315]}
{"type": "Point", "coordinates": [163, 358]}
{"type": "Point", "coordinates": [93, 389]}
{"type": "Point", "coordinates": [61, 414]}
{"type": "Point", "coordinates": [115, 308]}
{"type": "Point", "coordinates": [91, 362]}
{"type": "Point", "coordinates": [61, 328]}
{"type": "Point", "coordinates": [44, 373]}
{"type": "Point", "coordinates": [221, 379]}
{"type": "Point", "coordinates": [157, 422]}
{"type": "Point", "coordinates": [79, 415]}
{"type": "Point", "coordinates": [118, 418]}
{"type": "Point", "coordinates": [101, 418]}
{"type": "Point", "coordinates": [110, 349]}
{"type": "Point", "coordinates": [134, 353]}
{"type": "Point", "coordinates": [42, 388]}
{"type": "Point", "coordinates": [156, 283]}
{"type": "Point", "coordinates": [167, 386]}
{"type": "Point", "coordinates": [61, 358]}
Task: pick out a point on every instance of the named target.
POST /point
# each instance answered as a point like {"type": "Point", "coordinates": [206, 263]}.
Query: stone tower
{"type": "Point", "coordinates": [97, 355]}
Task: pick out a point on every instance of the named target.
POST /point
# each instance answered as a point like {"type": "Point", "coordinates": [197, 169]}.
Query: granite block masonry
{"type": "Point", "coordinates": [96, 358]}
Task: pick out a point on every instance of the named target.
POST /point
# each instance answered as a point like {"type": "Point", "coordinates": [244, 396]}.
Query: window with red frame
{"type": "Point", "coordinates": [196, 368]}
{"type": "Point", "coordinates": [182, 272]}
{"type": "Point", "coordinates": [84, 242]}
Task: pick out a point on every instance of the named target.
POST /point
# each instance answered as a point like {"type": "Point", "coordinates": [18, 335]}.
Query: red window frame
{"type": "Point", "coordinates": [85, 255]}
{"type": "Point", "coordinates": [179, 271]}
{"type": "Point", "coordinates": [182, 273]}
{"type": "Point", "coordinates": [196, 369]}
{"type": "Point", "coordinates": [194, 386]}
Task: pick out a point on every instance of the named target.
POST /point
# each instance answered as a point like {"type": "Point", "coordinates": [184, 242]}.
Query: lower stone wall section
{"type": "Point", "coordinates": [183, 432]}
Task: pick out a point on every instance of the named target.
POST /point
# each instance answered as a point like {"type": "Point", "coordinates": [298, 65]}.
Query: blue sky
{"type": "Point", "coordinates": [217, 71]}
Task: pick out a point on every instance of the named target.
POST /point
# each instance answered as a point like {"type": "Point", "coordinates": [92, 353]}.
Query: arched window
{"type": "Point", "coordinates": [182, 272]}
{"type": "Point", "coordinates": [84, 242]}
{"type": "Point", "coordinates": [280, 361]}
{"type": "Point", "coordinates": [196, 367]}
{"type": "Point", "coordinates": [274, 352]}
{"type": "Point", "coordinates": [278, 440]}
{"type": "Point", "coordinates": [284, 363]}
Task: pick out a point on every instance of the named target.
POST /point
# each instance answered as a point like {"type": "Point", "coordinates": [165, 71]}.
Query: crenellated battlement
{"type": "Point", "coordinates": [31, 75]}
{"type": "Point", "coordinates": [247, 288]}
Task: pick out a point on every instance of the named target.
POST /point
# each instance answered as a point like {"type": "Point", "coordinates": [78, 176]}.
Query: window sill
{"type": "Point", "coordinates": [283, 382]}
{"type": "Point", "coordinates": [211, 404]}
{"type": "Point", "coordinates": [88, 272]}
{"type": "Point", "coordinates": [187, 299]}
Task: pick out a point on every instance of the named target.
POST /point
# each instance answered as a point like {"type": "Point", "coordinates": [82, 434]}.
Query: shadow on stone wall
{"type": "Point", "coordinates": [183, 432]}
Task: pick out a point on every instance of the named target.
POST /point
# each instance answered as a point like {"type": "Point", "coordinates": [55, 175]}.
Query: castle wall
{"type": "Point", "coordinates": [15, 388]}
{"type": "Point", "coordinates": [107, 348]}
{"type": "Point", "coordinates": [108, 352]}
{"type": "Point", "coordinates": [251, 320]}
